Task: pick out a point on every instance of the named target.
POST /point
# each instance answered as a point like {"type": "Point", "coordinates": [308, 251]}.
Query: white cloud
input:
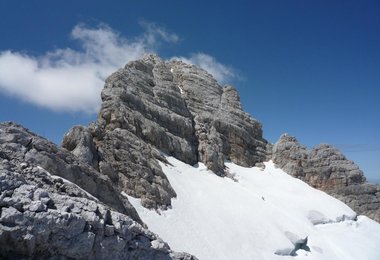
{"type": "Point", "coordinates": [222, 73]}
{"type": "Point", "coordinates": [67, 87]}
{"type": "Point", "coordinates": [71, 80]}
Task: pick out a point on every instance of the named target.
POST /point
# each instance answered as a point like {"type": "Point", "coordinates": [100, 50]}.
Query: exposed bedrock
{"type": "Point", "coordinates": [22, 146]}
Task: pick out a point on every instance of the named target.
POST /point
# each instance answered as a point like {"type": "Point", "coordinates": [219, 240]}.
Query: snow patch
{"type": "Point", "coordinates": [264, 215]}
{"type": "Point", "coordinates": [180, 90]}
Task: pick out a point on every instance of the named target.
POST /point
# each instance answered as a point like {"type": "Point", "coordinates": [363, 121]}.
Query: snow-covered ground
{"type": "Point", "coordinates": [265, 214]}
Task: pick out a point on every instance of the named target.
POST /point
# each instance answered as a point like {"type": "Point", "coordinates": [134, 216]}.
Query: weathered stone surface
{"type": "Point", "coordinates": [326, 168]}
{"type": "Point", "coordinates": [223, 130]}
{"type": "Point", "coordinates": [45, 216]}
{"type": "Point", "coordinates": [143, 99]}
{"type": "Point", "coordinates": [80, 142]}
{"type": "Point", "coordinates": [20, 145]}
{"type": "Point", "coordinates": [152, 106]}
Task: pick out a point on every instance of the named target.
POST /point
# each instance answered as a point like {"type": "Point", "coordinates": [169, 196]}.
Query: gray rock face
{"type": "Point", "coordinates": [43, 215]}
{"type": "Point", "coordinates": [152, 106]}
{"type": "Point", "coordinates": [327, 169]}
{"type": "Point", "coordinates": [20, 145]}
{"type": "Point", "coordinates": [79, 142]}
{"type": "Point", "coordinates": [223, 130]}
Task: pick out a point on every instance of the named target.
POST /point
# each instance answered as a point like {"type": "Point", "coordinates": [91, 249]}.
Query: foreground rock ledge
{"type": "Point", "coordinates": [43, 215]}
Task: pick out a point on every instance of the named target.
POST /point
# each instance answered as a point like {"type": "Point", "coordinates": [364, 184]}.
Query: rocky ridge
{"type": "Point", "coordinates": [44, 215]}
{"type": "Point", "coordinates": [326, 168]}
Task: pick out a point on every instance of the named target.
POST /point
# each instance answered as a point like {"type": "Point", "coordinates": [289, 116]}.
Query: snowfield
{"type": "Point", "coordinates": [261, 214]}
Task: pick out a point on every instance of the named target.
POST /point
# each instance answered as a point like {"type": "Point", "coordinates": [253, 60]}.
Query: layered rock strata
{"type": "Point", "coordinates": [43, 215]}
{"type": "Point", "coordinates": [152, 106]}
{"type": "Point", "coordinates": [326, 168]}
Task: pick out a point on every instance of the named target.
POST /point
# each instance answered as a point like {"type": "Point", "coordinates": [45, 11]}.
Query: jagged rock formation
{"type": "Point", "coordinates": [223, 130]}
{"type": "Point", "coordinates": [152, 106]}
{"type": "Point", "coordinates": [326, 168]}
{"type": "Point", "coordinates": [43, 215]}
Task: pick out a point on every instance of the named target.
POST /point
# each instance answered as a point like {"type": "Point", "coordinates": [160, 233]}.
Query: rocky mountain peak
{"type": "Point", "coordinates": [152, 106]}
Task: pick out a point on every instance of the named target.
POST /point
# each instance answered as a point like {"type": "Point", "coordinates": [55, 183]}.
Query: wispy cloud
{"type": "Point", "coordinates": [71, 80]}
{"type": "Point", "coordinates": [222, 73]}
{"type": "Point", "coordinates": [155, 34]}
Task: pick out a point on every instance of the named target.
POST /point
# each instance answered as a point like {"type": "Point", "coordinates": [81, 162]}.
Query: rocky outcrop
{"type": "Point", "coordinates": [43, 215]}
{"type": "Point", "coordinates": [222, 129]}
{"type": "Point", "coordinates": [326, 168]}
{"type": "Point", "coordinates": [80, 142]}
{"type": "Point", "coordinates": [152, 107]}
{"type": "Point", "coordinates": [20, 145]}
{"type": "Point", "coordinates": [38, 220]}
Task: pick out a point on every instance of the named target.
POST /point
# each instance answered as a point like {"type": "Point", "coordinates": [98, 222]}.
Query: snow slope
{"type": "Point", "coordinates": [265, 214]}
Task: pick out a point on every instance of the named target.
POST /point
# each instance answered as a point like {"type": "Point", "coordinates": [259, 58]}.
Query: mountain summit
{"type": "Point", "coordinates": [173, 151]}
{"type": "Point", "coordinates": [152, 107]}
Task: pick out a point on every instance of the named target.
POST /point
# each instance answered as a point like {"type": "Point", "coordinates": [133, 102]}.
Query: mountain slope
{"type": "Point", "coordinates": [262, 214]}
{"type": "Point", "coordinates": [326, 168]}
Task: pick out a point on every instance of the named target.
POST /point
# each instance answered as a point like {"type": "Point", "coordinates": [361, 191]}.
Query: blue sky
{"type": "Point", "coordinates": [308, 68]}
